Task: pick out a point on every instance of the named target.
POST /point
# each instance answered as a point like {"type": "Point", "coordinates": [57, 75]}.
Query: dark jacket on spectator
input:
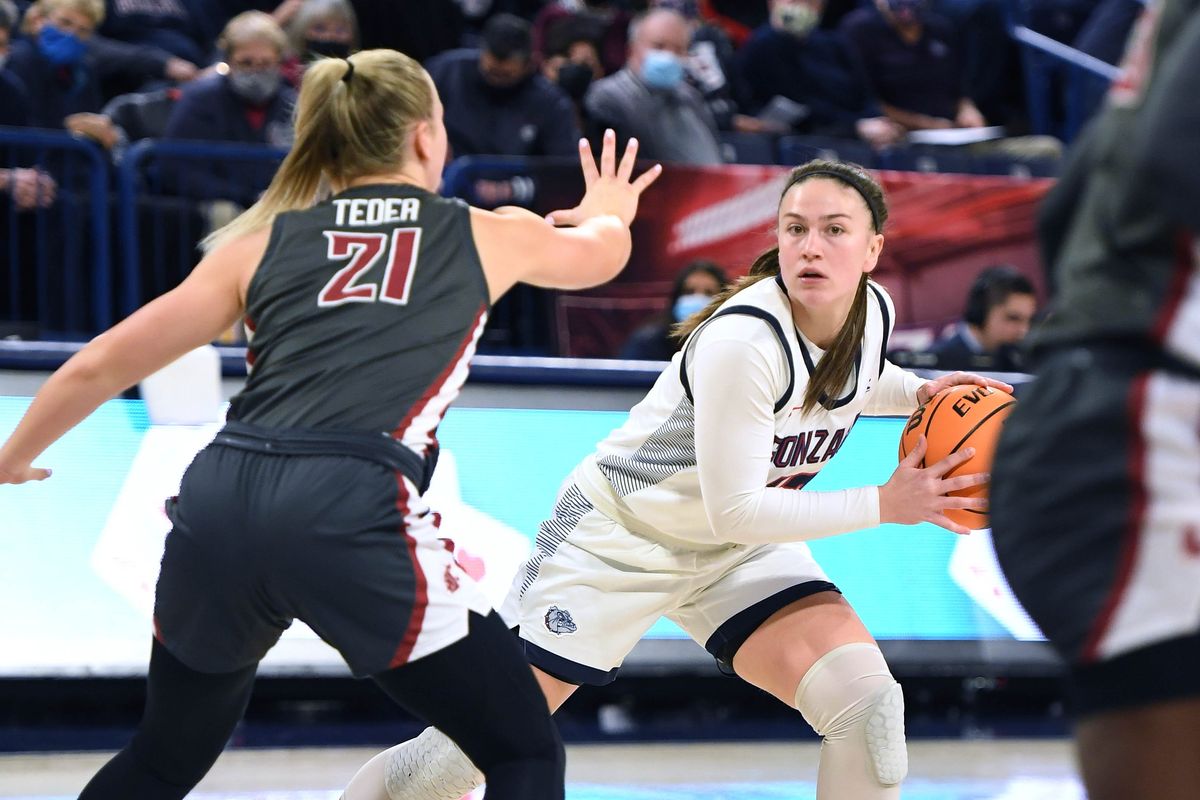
{"type": "Point", "coordinates": [14, 101]}
{"type": "Point", "coordinates": [122, 67]}
{"type": "Point", "coordinates": [209, 110]}
{"type": "Point", "coordinates": [818, 72]}
{"type": "Point", "coordinates": [534, 118]}
{"type": "Point", "coordinates": [925, 77]}
{"type": "Point", "coordinates": [160, 24]}
{"type": "Point", "coordinates": [54, 92]}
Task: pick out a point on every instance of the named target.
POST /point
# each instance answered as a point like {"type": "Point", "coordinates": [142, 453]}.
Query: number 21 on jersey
{"type": "Point", "coordinates": [353, 283]}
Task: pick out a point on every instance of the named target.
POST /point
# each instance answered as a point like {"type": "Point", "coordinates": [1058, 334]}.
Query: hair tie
{"type": "Point", "coordinates": [349, 71]}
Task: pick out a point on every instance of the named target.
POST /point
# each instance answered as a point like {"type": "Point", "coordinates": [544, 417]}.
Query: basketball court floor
{"type": "Point", "coordinates": [1039, 769]}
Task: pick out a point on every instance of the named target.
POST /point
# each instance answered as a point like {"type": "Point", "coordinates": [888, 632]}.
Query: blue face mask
{"type": "Point", "coordinates": [661, 69]}
{"type": "Point", "coordinates": [689, 304]}
{"type": "Point", "coordinates": [63, 49]}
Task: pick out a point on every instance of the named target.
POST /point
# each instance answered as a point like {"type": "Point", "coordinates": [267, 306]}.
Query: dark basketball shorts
{"type": "Point", "coordinates": [338, 539]}
{"type": "Point", "coordinates": [1095, 507]}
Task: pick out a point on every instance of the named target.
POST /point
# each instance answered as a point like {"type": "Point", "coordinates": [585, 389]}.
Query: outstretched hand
{"type": "Point", "coordinates": [920, 494]}
{"type": "Point", "coordinates": [611, 189]}
{"type": "Point", "coordinates": [931, 388]}
{"type": "Point", "coordinates": [16, 475]}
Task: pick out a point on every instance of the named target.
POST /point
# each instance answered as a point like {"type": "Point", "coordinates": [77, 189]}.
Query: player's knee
{"type": "Point", "coordinates": [850, 697]}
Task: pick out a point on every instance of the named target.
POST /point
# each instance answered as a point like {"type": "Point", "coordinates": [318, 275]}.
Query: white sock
{"type": "Point", "coordinates": [429, 767]}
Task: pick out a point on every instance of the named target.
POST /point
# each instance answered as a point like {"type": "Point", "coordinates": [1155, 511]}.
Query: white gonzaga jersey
{"type": "Point", "coordinates": [645, 475]}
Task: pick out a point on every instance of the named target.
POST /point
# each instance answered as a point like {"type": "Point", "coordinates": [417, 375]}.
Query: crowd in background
{"type": "Point", "coordinates": [529, 77]}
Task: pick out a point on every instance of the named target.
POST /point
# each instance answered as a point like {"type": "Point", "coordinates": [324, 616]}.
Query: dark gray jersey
{"type": "Point", "coordinates": [1119, 229]}
{"type": "Point", "coordinates": [365, 313]}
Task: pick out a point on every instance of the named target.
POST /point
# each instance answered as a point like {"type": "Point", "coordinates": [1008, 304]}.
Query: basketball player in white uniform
{"type": "Point", "coordinates": [689, 510]}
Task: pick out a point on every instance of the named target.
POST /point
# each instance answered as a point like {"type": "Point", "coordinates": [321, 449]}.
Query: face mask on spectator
{"type": "Point", "coordinates": [907, 11]}
{"type": "Point", "coordinates": [256, 87]}
{"type": "Point", "coordinates": [327, 48]}
{"type": "Point", "coordinates": [688, 304]}
{"type": "Point", "coordinates": [798, 20]}
{"type": "Point", "coordinates": [63, 49]}
{"type": "Point", "coordinates": [574, 79]}
{"type": "Point", "coordinates": [662, 69]}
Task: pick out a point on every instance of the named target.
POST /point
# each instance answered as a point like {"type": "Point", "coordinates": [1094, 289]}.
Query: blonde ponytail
{"type": "Point", "coordinates": [353, 118]}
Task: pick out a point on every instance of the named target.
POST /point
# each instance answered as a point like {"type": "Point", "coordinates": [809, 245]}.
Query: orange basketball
{"type": "Point", "coordinates": [958, 417]}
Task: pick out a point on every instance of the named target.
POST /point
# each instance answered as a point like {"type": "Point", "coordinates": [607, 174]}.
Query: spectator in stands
{"type": "Point", "coordinates": [806, 77]}
{"type": "Point", "coordinates": [246, 102]}
{"type": "Point", "coordinates": [650, 98]}
{"type": "Point", "coordinates": [167, 25]}
{"type": "Point", "coordinates": [139, 115]}
{"type": "Point", "coordinates": [319, 29]}
{"type": "Point", "coordinates": [695, 285]}
{"type": "Point", "coordinates": [610, 19]}
{"type": "Point", "coordinates": [28, 187]}
{"type": "Point", "coordinates": [54, 64]}
{"type": "Point", "coordinates": [1000, 308]}
{"type": "Point", "coordinates": [495, 101]}
{"type": "Point", "coordinates": [913, 60]}
{"type": "Point", "coordinates": [14, 100]}
{"type": "Point", "coordinates": [571, 60]}
{"type": "Point", "coordinates": [710, 69]}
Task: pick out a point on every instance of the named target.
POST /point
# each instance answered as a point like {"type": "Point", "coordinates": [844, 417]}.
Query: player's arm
{"type": "Point", "coordinates": [736, 382]}
{"type": "Point", "coordinates": [206, 304]}
{"type": "Point", "coordinates": [1168, 139]}
{"type": "Point", "coordinates": [520, 247]}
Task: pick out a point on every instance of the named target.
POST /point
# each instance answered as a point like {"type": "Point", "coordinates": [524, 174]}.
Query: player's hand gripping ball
{"type": "Point", "coordinates": [954, 418]}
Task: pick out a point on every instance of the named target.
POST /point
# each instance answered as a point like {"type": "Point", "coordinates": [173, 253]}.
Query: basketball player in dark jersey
{"type": "Point", "coordinates": [1096, 485]}
{"type": "Point", "coordinates": [366, 309]}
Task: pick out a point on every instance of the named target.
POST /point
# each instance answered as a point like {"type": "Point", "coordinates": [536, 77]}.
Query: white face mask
{"type": "Point", "coordinates": [796, 19]}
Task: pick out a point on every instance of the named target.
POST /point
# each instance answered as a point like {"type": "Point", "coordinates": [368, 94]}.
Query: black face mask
{"type": "Point", "coordinates": [318, 48]}
{"type": "Point", "coordinates": [574, 79]}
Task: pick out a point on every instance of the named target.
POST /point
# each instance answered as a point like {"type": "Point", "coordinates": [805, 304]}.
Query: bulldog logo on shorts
{"type": "Point", "coordinates": [559, 621]}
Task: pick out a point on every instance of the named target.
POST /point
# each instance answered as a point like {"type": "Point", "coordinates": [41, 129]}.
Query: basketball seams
{"type": "Point", "coordinates": [986, 417]}
{"type": "Point", "coordinates": [929, 421]}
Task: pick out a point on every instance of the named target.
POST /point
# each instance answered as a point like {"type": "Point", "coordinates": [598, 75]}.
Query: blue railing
{"type": "Point", "coordinates": [70, 278]}
{"type": "Point", "coordinates": [162, 202]}
{"type": "Point", "coordinates": [159, 170]}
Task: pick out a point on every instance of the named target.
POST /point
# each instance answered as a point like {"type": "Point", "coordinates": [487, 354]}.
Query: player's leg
{"type": "Point", "coordinates": [432, 766]}
{"type": "Point", "coordinates": [480, 692]}
{"type": "Point", "coordinates": [1150, 751]}
{"type": "Point", "coordinates": [789, 632]}
{"type": "Point", "coordinates": [188, 719]}
{"type": "Point", "coordinates": [818, 657]}
{"type": "Point", "coordinates": [579, 613]}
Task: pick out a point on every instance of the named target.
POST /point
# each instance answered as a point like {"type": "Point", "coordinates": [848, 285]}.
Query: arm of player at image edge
{"type": "Point", "coordinates": [196, 312]}
{"type": "Point", "coordinates": [592, 247]}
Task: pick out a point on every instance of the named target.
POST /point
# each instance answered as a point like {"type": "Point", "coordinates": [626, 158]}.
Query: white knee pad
{"type": "Point", "coordinates": [850, 697]}
{"type": "Point", "coordinates": [429, 767]}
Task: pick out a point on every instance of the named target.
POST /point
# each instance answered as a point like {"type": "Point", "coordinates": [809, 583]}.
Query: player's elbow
{"type": "Point", "coordinates": [733, 522]}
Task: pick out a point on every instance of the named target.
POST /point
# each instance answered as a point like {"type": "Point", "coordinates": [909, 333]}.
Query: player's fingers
{"type": "Point", "coordinates": [951, 461]}
{"type": "Point", "coordinates": [567, 217]}
{"type": "Point", "coordinates": [964, 482]}
{"type": "Point", "coordinates": [942, 521]}
{"type": "Point", "coordinates": [916, 454]}
{"type": "Point", "coordinates": [37, 474]}
{"type": "Point", "coordinates": [608, 154]}
{"type": "Point", "coordinates": [625, 168]}
{"type": "Point", "coordinates": [973, 503]}
{"type": "Point", "coordinates": [588, 162]}
{"type": "Point", "coordinates": [646, 178]}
